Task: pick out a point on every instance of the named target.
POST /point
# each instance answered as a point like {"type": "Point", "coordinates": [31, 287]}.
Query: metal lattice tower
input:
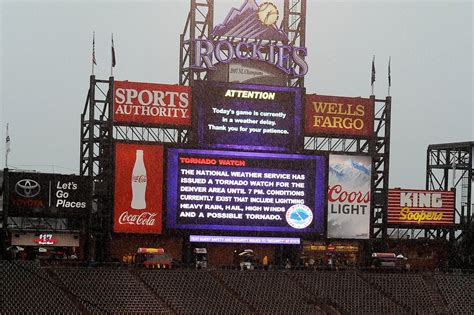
{"type": "Point", "coordinates": [450, 166]}
{"type": "Point", "coordinates": [96, 162]}
{"type": "Point", "coordinates": [199, 24]}
{"type": "Point", "coordinates": [294, 24]}
{"type": "Point", "coordinates": [379, 149]}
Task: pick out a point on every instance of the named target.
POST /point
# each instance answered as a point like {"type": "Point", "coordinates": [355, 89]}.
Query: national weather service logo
{"type": "Point", "coordinates": [299, 216]}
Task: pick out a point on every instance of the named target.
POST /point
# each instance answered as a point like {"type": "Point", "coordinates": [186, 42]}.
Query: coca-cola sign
{"type": "Point", "coordinates": [349, 196]}
{"type": "Point", "coordinates": [145, 218]}
{"type": "Point", "coordinates": [138, 188]}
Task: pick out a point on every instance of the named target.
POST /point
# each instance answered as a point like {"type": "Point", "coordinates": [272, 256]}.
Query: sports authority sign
{"type": "Point", "coordinates": [138, 188]}
{"type": "Point", "coordinates": [152, 104]}
{"type": "Point", "coordinates": [420, 207]}
{"type": "Point", "coordinates": [342, 116]}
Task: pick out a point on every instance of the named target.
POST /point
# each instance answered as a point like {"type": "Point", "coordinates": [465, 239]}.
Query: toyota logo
{"type": "Point", "coordinates": [27, 188]}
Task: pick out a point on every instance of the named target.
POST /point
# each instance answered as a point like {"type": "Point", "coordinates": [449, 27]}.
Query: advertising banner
{"type": "Point", "coordinates": [47, 195]}
{"type": "Point", "coordinates": [247, 117]}
{"type": "Point", "coordinates": [339, 116]}
{"type": "Point", "coordinates": [223, 190]}
{"type": "Point", "coordinates": [45, 239]}
{"type": "Point", "coordinates": [138, 188]}
{"type": "Point", "coordinates": [420, 207]}
{"type": "Point", "coordinates": [349, 196]}
{"type": "Point", "coordinates": [244, 239]}
{"type": "Point", "coordinates": [152, 104]}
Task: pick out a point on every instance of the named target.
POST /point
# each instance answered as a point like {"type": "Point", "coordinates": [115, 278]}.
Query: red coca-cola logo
{"type": "Point", "coordinates": [145, 218]}
{"type": "Point", "coordinates": [336, 193]}
{"type": "Point", "coordinates": [139, 179]}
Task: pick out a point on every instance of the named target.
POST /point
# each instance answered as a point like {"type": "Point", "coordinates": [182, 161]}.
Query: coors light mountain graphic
{"type": "Point", "coordinates": [244, 23]}
{"type": "Point", "coordinates": [350, 172]}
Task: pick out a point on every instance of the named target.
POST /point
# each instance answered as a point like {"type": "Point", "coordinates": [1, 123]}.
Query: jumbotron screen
{"type": "Point", "coordinates": [247, 117]}
{"type": "Point", "coordinates": [245, 191]}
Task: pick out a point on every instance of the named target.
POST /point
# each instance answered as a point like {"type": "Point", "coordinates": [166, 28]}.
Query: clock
{"type": "Point", "coordinates": [267, 13]}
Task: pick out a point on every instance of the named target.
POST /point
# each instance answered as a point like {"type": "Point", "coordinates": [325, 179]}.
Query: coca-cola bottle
{"type": "Point", "coordinates": [139, 182]}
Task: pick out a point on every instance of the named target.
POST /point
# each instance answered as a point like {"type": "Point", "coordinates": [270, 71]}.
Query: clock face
{"type": "Point", "coordinates": [267, 13]}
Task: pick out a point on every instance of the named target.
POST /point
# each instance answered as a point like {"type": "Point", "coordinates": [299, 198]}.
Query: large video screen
{"type": "Point", "coordinates": [246, 191]}
{"type": "Point", "coordinates": [247, 117]}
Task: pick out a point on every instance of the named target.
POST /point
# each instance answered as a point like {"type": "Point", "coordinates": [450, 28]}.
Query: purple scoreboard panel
{"type": "Point", "coordinates": [245, 191]}
{"type": "Point", "coordinates": [247, 117]}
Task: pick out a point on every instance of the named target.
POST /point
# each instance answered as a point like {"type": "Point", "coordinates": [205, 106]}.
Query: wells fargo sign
{"type": "Point", "coordinates": [154, 104]}
{"type": "Point", "coordinates": [420, 207]}
{"type": "Point", "coordinates": [335, 115]}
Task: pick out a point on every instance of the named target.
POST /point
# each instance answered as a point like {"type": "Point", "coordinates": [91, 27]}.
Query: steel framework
{"type": "Point", "coordinates": [378, 147]}
{"type": "Point", "coordinates": [96, 162]}
{"type": "Point", "coordinates": [98, 132]}
{"type": "Point", "coordinates": [98, 135]}
{"type": "Point", "coordinates": [448, 166]}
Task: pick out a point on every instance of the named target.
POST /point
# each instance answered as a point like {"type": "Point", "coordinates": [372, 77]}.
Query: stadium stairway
{"type": "Point", "coordinates": [384, 292]}
{"type": "Point", "coordinates": [74, 298]}
{"type": "Point", "coordinates": [233, 292]}
{"type": "Point", "coordinates": [329, 306]}
{"type": "Point", "coordinates": [150, 290]}
{"type": "Point", "coordinates": [437, 299]}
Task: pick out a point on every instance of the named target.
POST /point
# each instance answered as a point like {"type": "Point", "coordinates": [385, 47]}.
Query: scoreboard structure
{"type": "Point", "coordinates": [219, 153]}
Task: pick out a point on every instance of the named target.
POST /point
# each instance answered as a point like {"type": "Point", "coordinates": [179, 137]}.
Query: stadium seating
{"type": "Point", "coordinates": [111, 290]}
{"type": "Point", "coordinates": [29, 288]}
{"type": "Point", "coordinates": [26, 288]}
{"type": "Point", "coordinates": [407, 289]}
{"type": "Point", "coordinates": [270, 292]}
{"type": "Point", "coordinates": [352, 294]}
{"type": "Point", "coordinates": [193, 292]}
{"type": "Point", "coordinates": [457, 290]}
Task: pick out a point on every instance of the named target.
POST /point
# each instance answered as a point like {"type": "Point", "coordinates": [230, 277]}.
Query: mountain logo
{"type": "Point", "coordinates": [253, 22]}
{"type": "Point", "coordinates": [250, 34]}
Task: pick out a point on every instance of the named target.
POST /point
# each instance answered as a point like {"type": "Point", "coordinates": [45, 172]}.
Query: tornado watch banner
{"type": "Point", "coordinates": [47, 195]}
{"type": "Point", "coordinates": [248, 117]}
{"type": "Point", "coordinates": [420, 207]}
{"type": "Point", "coordinates": [138, 188]}
{"type": "Point", "coordinates": [340, 116]}
{"type": "Point", "coordinates": [349, 196]}
{"type": "Point", "coordinates": [152, 104]}
{"type": "Point", "coordinates": [243, 191]}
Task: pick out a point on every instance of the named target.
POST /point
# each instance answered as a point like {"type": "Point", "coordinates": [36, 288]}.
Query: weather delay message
{"type": "Point", "coordinates": [240, 116]}
{"type": "Point", "coordinates": [245, 191]}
